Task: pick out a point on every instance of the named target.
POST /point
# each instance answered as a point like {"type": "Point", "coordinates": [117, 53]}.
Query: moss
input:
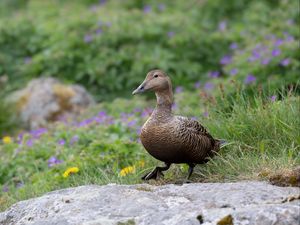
{"type": "Point", "coordinates": [200, 218]}
{"type": "Point", "coordinates": [22, 101]}
{"type": "Point", "coordinates": [143, 188]}
{"type": "Point", "coordinates": [128, 222]}
{"type": "Point", "coordinates": [63, 94]}
{"type": "Point", "coordinates": [286, 178]}
{"type": "Point", "coordinates": [227, 220]}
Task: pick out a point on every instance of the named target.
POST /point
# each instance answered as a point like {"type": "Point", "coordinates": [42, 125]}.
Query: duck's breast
{"type": "Point", "coordinates": [161, 141]}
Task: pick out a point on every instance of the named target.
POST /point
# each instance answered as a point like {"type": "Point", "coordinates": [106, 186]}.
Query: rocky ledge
{"type": "Point", "coordinates": [199, 203]}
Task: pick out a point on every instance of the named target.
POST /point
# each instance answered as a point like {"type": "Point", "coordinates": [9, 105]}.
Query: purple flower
{"type": "Point", "coordinates": [138, 130]}
{"type": "Point", "coordinates": [137, 110]}
{"type": "Point", "coordinates": [20, 138]}
{"type": "Point", "coordinates": [93, 8]}
{"type": "Point", "coordinates": [102, 114]}
{"type": "Point", "coordinates": [161, 7]}
{"type": "Point", "coordinates": [27, 60]}
{"type": "Point", "coordinates": [233, 72]}
{"type": "Point", "coordinates": [132, 123]}
{"type": "Point", "coordinates": [174, 106]}
{"type": "Point", "coordinates": [205, 114]}
{"type": "Point", "coordinates": [197, 84]}
{"type": "Point", "coordinates": [108, 24]}
{"type": "Point", "coordinates": [38, 133]}
{"type": "Point", "coordinates": [290, 22]}
{"type": "Point", "coordinates": [273, 98]}
{"type": "Point", "coordinates": [285, 62]}
{"type": "Point", "coordinates": [171, 34]}
{"type": "Point", "coordinates": [255, 54]}
{"type": "Point", "coordinates": [178, 89]}
{"type": "Point", "coordinates": [17, 150]}
{"type": "Point", "coordinates": [85, 122]}
{"type": "Point", "coordinates": [61, 142]}
{"type": "Point", "coordinates": [278, 42]}
{"type": "Point", "coordinates": [88, 38]}
{"type": "Point", "coordinates": [29, 143]}
{"type": "Point", "coordinates": [290, 38]}
{"type": "Point", "coordinates": [147, 112]}
{"type": "Point", "coordinates": [19, 184]}
{"type": "Point", "coordinates": [52, 161]}
{"type": "Point", "coordinates": [270, 37]}
{"type": "Point", "coordinates": [74, 139]}
{"type": "Point", "coordinates": [251, 59]}
{"type": "Point", "coordinates": [233, 46]}
{"type": "Point", "coordinates": [147, 9]}
{"type": "Point", "coordinates": [276, 52]}
{"type": "Point", "coordinates": [222, 26]}
{"type": "Point", "coordinates": [99, 31]}
{"type": "Point", "coordinates": [258, 46]}
{"type": "Point", "coordinates": [5, 188]}
{"type": "Point", "coordinates": [208, 86]}
{"type": "Point", "coordinates": [102, 2]}
{"type": "Point", "coordinates": [250, 79]}
{"type": "Point", "coordinates": [265, 61]}
{"type": "Point", "coordinates": [214, 74]}
{"type": "Point", "coordinates": [226, 60]}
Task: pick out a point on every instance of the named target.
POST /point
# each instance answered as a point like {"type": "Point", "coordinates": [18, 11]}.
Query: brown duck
{"type": "Point", "coordinates": [169, 138]}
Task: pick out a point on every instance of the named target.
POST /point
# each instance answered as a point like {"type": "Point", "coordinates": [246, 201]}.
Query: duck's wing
{"type": "Point", "coordinates": [196, 137]}
{"type": "Point", "coordinates": [188, 125]}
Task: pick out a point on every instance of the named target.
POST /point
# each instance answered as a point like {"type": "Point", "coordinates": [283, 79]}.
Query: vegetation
{"type": "Point", "coordinates": [234, 68]}
{"type": "Point", "coordinates": [263, 137]}
{"type": "Point", "coordinates": [108, 45]}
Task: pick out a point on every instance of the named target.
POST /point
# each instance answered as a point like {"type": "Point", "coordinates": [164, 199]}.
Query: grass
{"type": "Point", "coordinates": [263, 138]}
{"type": "Point", "coordinates": [50, 38]}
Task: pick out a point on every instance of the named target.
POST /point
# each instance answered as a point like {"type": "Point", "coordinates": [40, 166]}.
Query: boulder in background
{"type": "Point", "coordinates": [45, 100]}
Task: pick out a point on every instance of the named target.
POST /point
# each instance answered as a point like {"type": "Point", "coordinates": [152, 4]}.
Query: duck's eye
{"type": "Point", "coordinates": [155, 76]}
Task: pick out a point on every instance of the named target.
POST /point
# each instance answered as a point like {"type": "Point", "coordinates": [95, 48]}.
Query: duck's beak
{"type": "Point", "coordinates": [140, 89]}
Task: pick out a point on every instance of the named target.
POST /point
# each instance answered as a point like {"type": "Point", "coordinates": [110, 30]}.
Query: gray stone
{"type": "Point", "coordinates": [241, 203]}
{"type": "Point", "coordinates": [46, 100]}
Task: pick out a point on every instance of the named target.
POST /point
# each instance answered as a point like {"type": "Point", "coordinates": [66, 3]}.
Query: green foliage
{"type": "Point", "coordinates": [262, 135]}
{"type": "Point", "coordinates": [8, 120]}
{"type": "Point", "coordinates": [109, 47]}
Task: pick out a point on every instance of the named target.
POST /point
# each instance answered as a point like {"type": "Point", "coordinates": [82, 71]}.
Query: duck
{"type": "Point", "coordinates": [170, 138]}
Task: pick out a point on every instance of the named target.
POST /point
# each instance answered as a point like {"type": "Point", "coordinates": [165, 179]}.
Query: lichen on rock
{"type": "Point", "coordinates": [44, 100]}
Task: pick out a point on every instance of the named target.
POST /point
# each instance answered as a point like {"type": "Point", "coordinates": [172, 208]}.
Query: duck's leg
{"type": "Point", "coordinates": [191, 169]}
{"type": "Point", "coordinates": [157, 172]}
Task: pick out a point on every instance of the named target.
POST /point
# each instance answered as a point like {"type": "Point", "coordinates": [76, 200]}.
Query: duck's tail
{"type": "Point", "coordinates": [222, 142]}
{"type": "Point", "coordinates": [219, 144]}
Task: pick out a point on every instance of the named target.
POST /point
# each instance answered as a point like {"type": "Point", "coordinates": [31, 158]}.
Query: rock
{"type": "Point", "coordinates": [286, 177]}
{"type": "Point", "coordinates": [199, 203]}
{"type": "Point", "coordinates": [46, 99]}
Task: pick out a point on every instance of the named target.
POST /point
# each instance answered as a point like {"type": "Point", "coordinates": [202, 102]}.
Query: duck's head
{"type": "Point", "coordinates": [156, 81]}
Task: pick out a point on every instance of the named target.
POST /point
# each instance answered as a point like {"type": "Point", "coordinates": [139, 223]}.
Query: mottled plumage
{"type": "Point", "coordinates": [178, 140]}
{"type": "Point", "coordinates": [169, 138]}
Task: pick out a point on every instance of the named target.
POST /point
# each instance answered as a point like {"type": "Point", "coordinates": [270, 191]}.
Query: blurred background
{"type": "Point", "coordinates": [109, 46]}
{"type": "Point", "coordinates": [68, 68]}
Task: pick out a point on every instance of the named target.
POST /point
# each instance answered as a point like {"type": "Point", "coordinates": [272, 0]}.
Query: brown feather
{"type": "Point", "coordinates": [174, 139]}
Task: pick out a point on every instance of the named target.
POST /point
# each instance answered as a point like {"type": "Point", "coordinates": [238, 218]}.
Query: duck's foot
{"type": "Point", "coordinates": [187, 181]}
{"type": "Point", "coordinates": [184, 181]}
{"type": "Point", "coordinates": [157, 172]}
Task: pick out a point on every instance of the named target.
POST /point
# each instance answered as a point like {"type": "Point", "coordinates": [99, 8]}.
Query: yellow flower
{"type": "Point", "coordinates": [141, 163]}
{"type": "Point", "coordinates": [125, 171]}
{"type": "Point", "coordinates": [6, 139]}
{"type": "Point", "coordinates": [70, 170]}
